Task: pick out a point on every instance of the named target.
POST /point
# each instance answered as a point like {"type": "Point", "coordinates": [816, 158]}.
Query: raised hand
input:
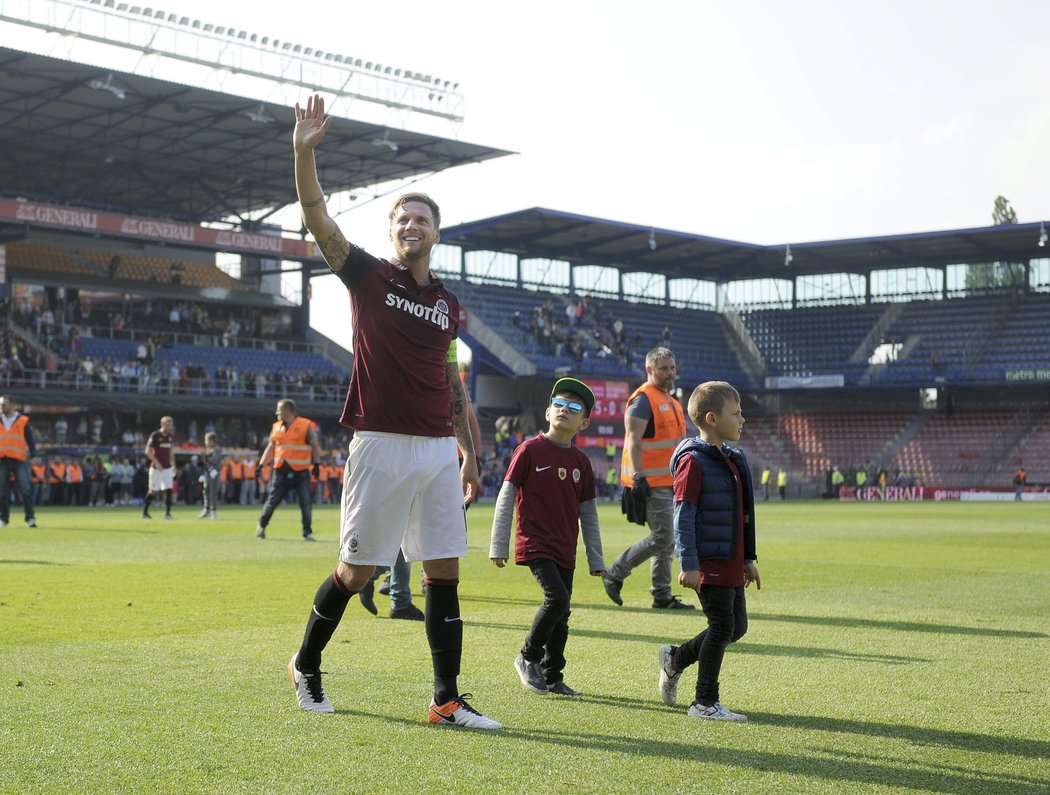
{"type": "Point", "coordinates": [310, 125]}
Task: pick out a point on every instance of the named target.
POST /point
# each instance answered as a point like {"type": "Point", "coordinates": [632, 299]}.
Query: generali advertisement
{"type": "Point", "coordinates": [155, 230]}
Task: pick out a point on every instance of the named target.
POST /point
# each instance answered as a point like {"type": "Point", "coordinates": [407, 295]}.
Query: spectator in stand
{"type": "Point", "coordinates": [17, 447]}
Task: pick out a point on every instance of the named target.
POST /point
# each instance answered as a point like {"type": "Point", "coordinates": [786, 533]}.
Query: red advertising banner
{"type": "Point", "coordinates": [154, 230]}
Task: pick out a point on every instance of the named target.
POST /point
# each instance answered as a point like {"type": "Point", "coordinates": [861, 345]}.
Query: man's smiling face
{"type": "Point", "coordinates": [413, 232]}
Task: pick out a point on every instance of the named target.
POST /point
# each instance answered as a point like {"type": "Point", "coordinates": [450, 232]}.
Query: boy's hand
{"type": "Point", "coordinates": [751, 576]}
{"type": "Point", "coordinates": [598, 573]}
{"type": "Point", "coordinates": [690, 579]}
{"type": "Point", "coordinates": [499, 563]}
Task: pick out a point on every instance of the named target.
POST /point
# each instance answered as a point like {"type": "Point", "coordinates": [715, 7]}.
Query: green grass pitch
{"type": "Point", "coordinates": [893, 648]}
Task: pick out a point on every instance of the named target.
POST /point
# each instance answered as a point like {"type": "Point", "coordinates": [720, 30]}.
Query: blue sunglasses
{"type": "Point", "coordinates": [571, 405]}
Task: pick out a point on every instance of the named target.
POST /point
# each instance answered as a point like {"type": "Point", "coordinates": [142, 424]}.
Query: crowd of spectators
{"type": "Point", "coordinates": [57, 360]}
{"type": "Point", "coordinates": [584, 329]}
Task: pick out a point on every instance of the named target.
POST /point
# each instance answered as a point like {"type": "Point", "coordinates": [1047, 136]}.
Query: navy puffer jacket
{"type": "Point", "coordinates": [708, 531]}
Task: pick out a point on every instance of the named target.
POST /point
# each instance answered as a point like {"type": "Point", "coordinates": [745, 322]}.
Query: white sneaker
{"type": "Point", "coordinates": [715, 712]}
{"type": "Point", "coordinates": [308, 689]}
{"type": "Point", "coordinates": [31, 523]}
{"type": "Point", "coordinates": [459, 713]}
{"type": "Point", "coordinates": [214, 515]}
{"type": "Point", "coordinates": [531, 676]}
{"type": "Point", "coordinates": [668, 677]}
{"type": "Point", "coordinates": [3, 523]}
{"type": "Point", "coordinates": [203, 514]}
{"type": "Point", "coordinates": [260, 531]}
{"type": "Point", "coordinates": [169, 518]}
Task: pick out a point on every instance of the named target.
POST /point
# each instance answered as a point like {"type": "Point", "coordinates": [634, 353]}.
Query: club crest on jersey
{"type": "Point", "coordinates": [562, 473]}
{"type": "Point", "coordinates": [576, 476]}
{"type": "Point", "coordinates": [437, 314]}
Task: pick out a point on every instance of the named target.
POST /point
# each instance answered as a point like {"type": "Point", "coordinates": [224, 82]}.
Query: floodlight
{"type": "Point", "coordinates": [385, 141]}
{"type": "Point", "coordinates": [787, 255]}
{"type": "Point", "coordinates": [260, 116]}
{"type": "Point", "coordinates": [108, 85]}
{"type": "Point", "coordinates": [1042, 235]}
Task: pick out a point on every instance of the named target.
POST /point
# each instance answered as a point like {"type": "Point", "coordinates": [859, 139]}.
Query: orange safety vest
{"type": "Point", "coordinates": [236, 470]}
{"type": "Point", "coordinates": [335, 472]}
{"type": "Point", "coordinates": [249, 470]}
{"type": "Point", "coordinates": [669, 430]}
{"type": "Point", "coordinates": [13, 441]}
{"type": "Point", "coordinates": [74, 473]}
{"type": "Point", "coordinates": [322, 473]}
{"type": "Point", "coordinates": [58, 473]}
{"type": "Point", "coordinates": [290, 444]}
{"type": "Point", "coordinates": [39, 471]}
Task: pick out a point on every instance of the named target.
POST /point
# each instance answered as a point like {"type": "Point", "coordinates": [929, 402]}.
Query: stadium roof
{"type": "Point", "coordinates": [96, 138]}
{"type": "Point", "coordinates": [582, 240]}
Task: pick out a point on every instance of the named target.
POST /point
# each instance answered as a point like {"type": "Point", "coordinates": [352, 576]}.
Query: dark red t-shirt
{"type": "Point", "coordinates": [161, 443]}
{"type": "Point", "coordinates": [552, 481]}
{"type": "Point", "coordinates": [687, 488]}
{"type": "Point", "coordinates": [402, 333]}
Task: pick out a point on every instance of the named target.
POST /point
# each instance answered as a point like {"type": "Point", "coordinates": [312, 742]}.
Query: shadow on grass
{"type": "Point", "coordinates": [901, 626]}
{"type": "Point", "coordinates": [822, 766]}
{"type": "Point", "coordinates": [744, 648]}
{"type": "Point", "coordinates": [32, 563]}
{"type": "Point", "coordinates": [965, 741]}
{"type": "Point", "coordinates": [917, 776]}
{"type": "Point", "coordinates": [499, 600]}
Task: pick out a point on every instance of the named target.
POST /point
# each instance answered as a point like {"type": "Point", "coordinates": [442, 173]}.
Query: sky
{"type": "Point", "coordinates": [766, 122]}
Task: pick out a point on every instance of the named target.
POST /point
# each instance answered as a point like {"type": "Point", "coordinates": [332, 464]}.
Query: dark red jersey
{"type": "Point", "coordinates": [161, 444]}
{"type": "Point", "coordinates": [552, 481]}
{"type": "Point", "coordinates": [402, 334]}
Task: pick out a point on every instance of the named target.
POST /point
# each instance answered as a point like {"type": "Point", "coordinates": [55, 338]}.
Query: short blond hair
{"type": "Point", "coordinates": [710, 396]}
{"type": "Point", "coordinates": [416, 196]}
{"type": "Point", "coordinates": [211, 437]}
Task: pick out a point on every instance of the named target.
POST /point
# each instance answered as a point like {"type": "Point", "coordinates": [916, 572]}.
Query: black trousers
{"type": "Point", "coordinates": [545, 642]}
{"type": "Point", "coordinates": [285, 481]}
{"type": "Point", "coordinates": [726, 610]}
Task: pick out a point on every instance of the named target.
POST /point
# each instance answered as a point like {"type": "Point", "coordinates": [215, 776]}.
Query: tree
{"type": "Point", "coordinates": [1002, 213]}
{"type": "Point", "coordinates": [996, 275]}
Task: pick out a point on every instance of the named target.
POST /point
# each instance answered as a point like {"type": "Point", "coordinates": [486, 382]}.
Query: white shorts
{"type": "Point", "coordinates": [161, 479]}
{"type": "Point", "coordinates": [401, 491]}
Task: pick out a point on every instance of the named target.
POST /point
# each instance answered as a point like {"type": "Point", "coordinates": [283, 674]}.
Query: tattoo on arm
{"type": "Point", "coordinates": [460, 414]}
{"type": "Point", "coordinates": [314, 203]}
{"type": "Point", "coordinates": [335, 250]}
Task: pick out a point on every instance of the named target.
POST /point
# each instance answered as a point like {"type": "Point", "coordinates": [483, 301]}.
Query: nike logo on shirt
{"type": "Point", "coordinates": [449, 620]}
{"type": "Point", "coordinates": [540, 469]}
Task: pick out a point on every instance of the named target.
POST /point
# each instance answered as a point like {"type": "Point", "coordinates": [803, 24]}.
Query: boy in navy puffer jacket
{"type": "Point", "coordinates": [714, 538]}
